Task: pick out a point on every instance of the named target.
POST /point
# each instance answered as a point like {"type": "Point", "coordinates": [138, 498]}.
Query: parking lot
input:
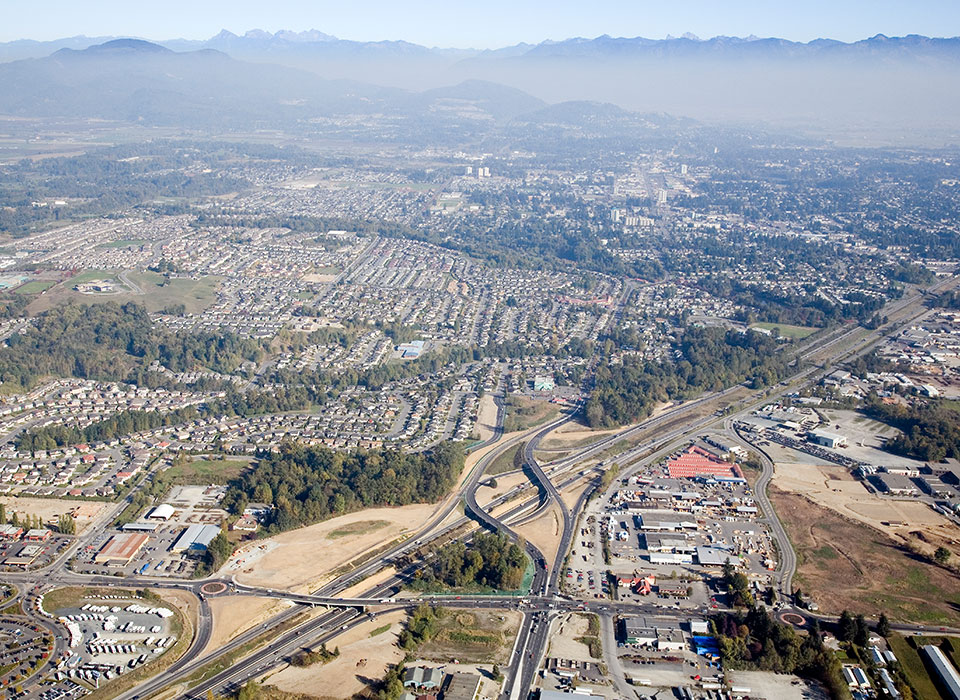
{"type": "Point", "coordinates": [112, 637]}
{"type": "Point", "coordinates": [23, 555]}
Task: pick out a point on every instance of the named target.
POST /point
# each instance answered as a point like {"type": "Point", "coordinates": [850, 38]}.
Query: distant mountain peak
{"type": "Point", "coordinates": [130, 45]}
{"type": "Point", "coordinates": [310, 35]}
{"type": "Point", "coordinates": [126, 46]}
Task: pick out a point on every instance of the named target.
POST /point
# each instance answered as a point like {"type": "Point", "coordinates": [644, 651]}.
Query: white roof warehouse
{"type": "Point", "coordinates": [195, 537]}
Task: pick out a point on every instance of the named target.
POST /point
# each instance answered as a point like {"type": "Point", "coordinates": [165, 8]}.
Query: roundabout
{"type": "Point", "coordinates": [213, 588]}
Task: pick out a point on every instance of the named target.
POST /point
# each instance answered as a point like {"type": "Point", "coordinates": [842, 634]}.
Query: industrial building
{"type": "Point", "coordinates": [195, 538]}
{"type": "Point", "coordinates": [826, 439]}
{"type": "Point", "coordinates": [697, 462]}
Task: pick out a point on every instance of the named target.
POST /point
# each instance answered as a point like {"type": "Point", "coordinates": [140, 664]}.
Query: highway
{"type": "Point", "coordinates": [544, 600]}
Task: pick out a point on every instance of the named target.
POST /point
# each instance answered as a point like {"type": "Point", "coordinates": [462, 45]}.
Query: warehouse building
{"type": "Point", "coordinates": [946, 675]}
{"type": "Point", "coordinates": [195, 538]}
{"type": "Point", "coordinates": [826, 439]}
{"type": "Point", "coordinates": [164, 511]}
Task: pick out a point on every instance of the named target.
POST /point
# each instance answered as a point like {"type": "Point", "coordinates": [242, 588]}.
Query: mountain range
{"type": "Point", "coordinates": [910, 82]}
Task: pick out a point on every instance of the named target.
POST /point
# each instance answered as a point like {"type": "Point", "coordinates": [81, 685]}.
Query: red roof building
{"type": "Point", "coordinates": [696, 461]}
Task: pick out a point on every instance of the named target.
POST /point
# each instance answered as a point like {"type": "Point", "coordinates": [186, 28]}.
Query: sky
{"type": "Point", "coordinates": [480, 23]}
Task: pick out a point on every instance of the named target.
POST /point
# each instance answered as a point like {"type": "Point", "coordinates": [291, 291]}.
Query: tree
{"type": "Point", "coordinates": [815, 635]}
{"type": "Point", "coordinates": [942, 555]}
{"type": "Point", "coordinates": [846, 627]}
{"type": "Point", "coordinates": [66, 525]}
{"type": "Point", "coordinates": [883, 626]}
{"type": "Point", "coordinates": [862, 635]}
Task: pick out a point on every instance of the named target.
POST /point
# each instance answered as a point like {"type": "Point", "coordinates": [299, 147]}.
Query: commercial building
{"type": "Point", "coordinates": [636, 632]}
{"type": "Point", "coordinates": [462, 686]}
{"type": "Point", "coordinates": [543, 383]}
{"type": "Point", "coordinates": [422, 678]}
{"type": "Point", "coordinates": [714, 557]}
{"type": "Point", "coordinates": [195, 538]}
{"type": "Point", "coordinates": [120, 549]}
{"type": "Point", "coordinates": [10, 532]}
{"type": "Point", "coordinates": [25, 557]}
{"type": "Point", "coordinates": [896, 484]}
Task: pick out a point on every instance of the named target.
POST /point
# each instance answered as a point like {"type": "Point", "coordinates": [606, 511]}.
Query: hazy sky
{"type": "Point", "coordinates": [480, 23]}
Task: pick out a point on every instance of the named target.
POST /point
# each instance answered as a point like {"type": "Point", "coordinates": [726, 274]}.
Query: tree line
{"type": "Point", "coordinates": [491, 560]}
{"type": "Point", "coordinates": [708, 359]}
{"type": "Point", "coordinates": [107, 341]}
{"type": "Point", "coordinates": [929, 430]}
{"type": "Point", "coordinates": [309, 484]}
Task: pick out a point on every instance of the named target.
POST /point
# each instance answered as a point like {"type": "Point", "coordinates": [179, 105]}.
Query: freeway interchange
{"type": "Point", "coordinates": [254, 652]}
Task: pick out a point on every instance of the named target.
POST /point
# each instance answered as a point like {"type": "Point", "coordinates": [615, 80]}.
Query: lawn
{"type": "Point", "coordinates": [34, 287]}
{"type": "Point", "coordinates": [788, 331]}
{"type": "Point", "coordinates": [206, 471]}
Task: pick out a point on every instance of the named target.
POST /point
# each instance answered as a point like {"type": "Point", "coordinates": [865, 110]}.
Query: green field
{"type": "Point", "coordinates": [913, 668]}
{"type": "Point", "coordinates": [788, 331]}
{"type": "Point", "coordinates": [159, 293]}
{"type": "Point", "coordinates": [91, 275]}
{"type": "Point", "coordinates": [206, 471]}
{"type": "Point", "coordinates": [523, 413]}
{"type": "Point", "coordinates": [505, 462]}
{"type": "Point", "coordinates": [34, 287]}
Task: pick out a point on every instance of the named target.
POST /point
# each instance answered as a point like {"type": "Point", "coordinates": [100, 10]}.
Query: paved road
{"type": "Point", "coordinates": [534, 633]}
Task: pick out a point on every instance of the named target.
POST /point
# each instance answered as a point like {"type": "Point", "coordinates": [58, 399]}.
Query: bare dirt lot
{"type": "Point", "coordinates": [233, 615]}
{"type": "Point", "coordinates": [766, 685]}
{"type": "Point", "coordinates": [485, 494]}
{"type": "Point", "coordinates": [302, 559]}
{"type": "Point", "coordinates": [362, 658]}
{"type": "Point", "coordinates": [845, 564]}
{"type": "Point", "coordinates": [544, 532]}
{"type": "Point", "coordinates": [835, 488]}
{"type": "Point", "coordinates": [563, 639]}
{"type": "Point", "coordinates": [573, 434]}
{"type": "Point", "coordinates": [573, 492]}
{"type": "Point", "coordinates": [49, 509]}
{"type": "Point", "coordinates": [486, 417]}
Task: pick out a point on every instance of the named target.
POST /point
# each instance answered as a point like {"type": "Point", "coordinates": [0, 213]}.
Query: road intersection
{"type": "Point", "coordinates": [251, 654]}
